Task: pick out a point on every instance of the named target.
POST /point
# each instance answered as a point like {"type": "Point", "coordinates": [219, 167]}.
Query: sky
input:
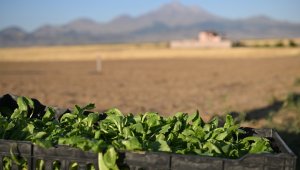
{"type": "Point", "coordinates": [31, 14]}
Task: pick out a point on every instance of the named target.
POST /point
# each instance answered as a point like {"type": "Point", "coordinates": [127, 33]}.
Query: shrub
{"type": "Point", "coordinates": [292, 43]}
{"type": "Point", "coordinates": [279, 44]}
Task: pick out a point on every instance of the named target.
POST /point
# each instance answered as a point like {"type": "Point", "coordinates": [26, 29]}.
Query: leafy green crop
{"type": "Point", "coordinates": [182, 133]}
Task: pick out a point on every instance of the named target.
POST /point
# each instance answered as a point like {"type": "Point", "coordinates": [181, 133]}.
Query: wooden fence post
{"type": "Point", "coordinates": [98, 64]}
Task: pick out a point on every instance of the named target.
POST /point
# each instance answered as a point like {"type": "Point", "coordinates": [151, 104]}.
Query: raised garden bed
{"type": "Point", "coordinates": [114, 141]}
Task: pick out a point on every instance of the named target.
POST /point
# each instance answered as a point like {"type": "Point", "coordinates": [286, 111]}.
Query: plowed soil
{"type": "Point", "coordinates": [212, 86]}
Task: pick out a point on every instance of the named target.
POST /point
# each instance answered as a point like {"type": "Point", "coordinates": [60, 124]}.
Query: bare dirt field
{"type": "Point", "coordinates": [260, 86]}
{"type": "Point", "coordinates": [213, 86]}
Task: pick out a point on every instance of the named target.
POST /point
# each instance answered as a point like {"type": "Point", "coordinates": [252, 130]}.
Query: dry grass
{"type": "Point", "coordinates": [134, 51]}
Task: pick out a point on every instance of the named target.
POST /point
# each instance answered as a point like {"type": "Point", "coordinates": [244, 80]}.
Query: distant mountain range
{"type": "Point", "coordinates": [169, 22]}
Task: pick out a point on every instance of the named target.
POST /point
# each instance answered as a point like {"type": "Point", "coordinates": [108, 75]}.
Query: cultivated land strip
{"type": "Point", "coordinates": [134, 51]}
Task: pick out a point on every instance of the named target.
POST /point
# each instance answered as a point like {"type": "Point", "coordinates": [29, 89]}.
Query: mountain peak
{"type": "Point", "coordinates": [13, 29]}
{"type": "Point", "coordinates": [122, 18]}
{"type": "Point", "coordinates": [82, 25]}
{"type": "Point", "coordinates": [177, 14]}
{"type": "Point", "coordinates": [82, 21]}
{"type": "Point", "coordinates": [176, 7]}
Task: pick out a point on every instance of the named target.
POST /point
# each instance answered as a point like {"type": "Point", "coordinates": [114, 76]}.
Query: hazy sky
{"type": "Point", "coordinates": [30, 14]}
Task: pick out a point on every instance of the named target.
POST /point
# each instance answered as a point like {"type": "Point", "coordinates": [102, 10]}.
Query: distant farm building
{"type": "Point", "coordinates": [206, 39]}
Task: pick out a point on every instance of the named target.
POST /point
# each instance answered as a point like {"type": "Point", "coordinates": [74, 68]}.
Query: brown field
{"type": "Point", "coordinates": [213, 86]}
{"type": "Point", "coordinates": [151, 77]}
{"type": "Point", "coordinates": [254, 82]}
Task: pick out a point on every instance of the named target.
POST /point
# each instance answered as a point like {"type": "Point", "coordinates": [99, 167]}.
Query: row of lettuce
{"type": "Point", "coordinates": [109, 132]}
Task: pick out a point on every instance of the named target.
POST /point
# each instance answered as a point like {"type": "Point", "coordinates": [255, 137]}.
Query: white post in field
{"type": "Point", "coordinates": [98, 64]}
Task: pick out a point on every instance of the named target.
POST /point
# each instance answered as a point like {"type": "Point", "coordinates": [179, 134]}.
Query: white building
{"type": "Point", "coordinates": [206, 39]}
